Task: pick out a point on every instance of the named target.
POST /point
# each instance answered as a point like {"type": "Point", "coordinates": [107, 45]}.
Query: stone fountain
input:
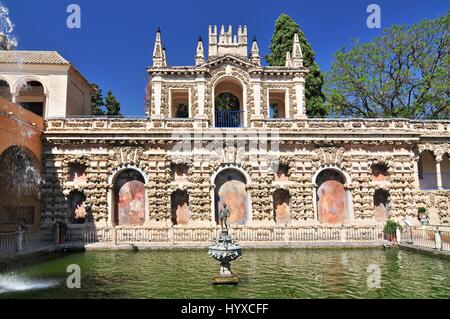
{"type": "Point", "coordinates": [225, 250]}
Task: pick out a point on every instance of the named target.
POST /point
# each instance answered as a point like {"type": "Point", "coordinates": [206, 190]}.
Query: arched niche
{"type": "Point", "coordinates": [332, 199]}
{"type": "Point", "coordinates": [77, 207]}
{"type": "Point", "coordinates": [180, 207]}
{"type": "Point", "coordinates": [281, 206]}
{"type": "Point", "coordinates": [129, 198]}
{"type": "Point", "coordinates": [230, 189]}
{"type": "Point", "coordinates": [381, 205]}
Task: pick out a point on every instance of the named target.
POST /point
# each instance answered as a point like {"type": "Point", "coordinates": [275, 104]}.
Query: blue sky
{"type": "Point", "coordinates": [114, 45]}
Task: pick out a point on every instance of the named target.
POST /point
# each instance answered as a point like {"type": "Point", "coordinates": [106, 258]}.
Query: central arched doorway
{"type": "Point", "coordinates": [229, 103]}
{"type": "Point", "coordinates": [230, 189]}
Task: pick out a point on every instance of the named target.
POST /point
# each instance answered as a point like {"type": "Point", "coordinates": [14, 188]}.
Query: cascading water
{"type": "Point", "coordinates": [7, 40]}
{"type": "Point", "coordinates": [14, 283]}
{"type": "Point", "coordinates": [20, 181]}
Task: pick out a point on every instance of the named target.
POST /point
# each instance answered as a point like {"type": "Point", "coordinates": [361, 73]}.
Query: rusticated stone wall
{"type": "Point", "coordinates": [154, 159]}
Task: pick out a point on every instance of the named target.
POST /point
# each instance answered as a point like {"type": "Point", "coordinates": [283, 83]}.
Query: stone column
{"type": "Point", "coordinates": [157, 96]}
{"type": "Point", "coordinates": [300, 96]}
{"type": "Point", "coordinates": [438, 172]}
{"type": "Point", "coordinates": [201, 82]}
{"type": "Point", "coordinates": [257, 98]}
{"type": "Point", "coordinates": [416, 172]}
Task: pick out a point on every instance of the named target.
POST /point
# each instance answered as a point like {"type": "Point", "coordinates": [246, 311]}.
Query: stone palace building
{"type": "Point", "coordinates": [226, 130]}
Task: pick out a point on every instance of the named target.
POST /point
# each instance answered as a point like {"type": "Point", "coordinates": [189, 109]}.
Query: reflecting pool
{"type": "Point", "coordinates": [280, 273]}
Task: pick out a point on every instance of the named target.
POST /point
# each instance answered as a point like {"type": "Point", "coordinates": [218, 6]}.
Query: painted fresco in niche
{"type": "Point", "coordinates": [180, 207]}
{"type": "Point", "coordinates": [130, 194]}
{"type": "Point", "coordinates": [77, 173]}
{"type": "Point", "coordinates": [231, 190]}
{"type": "Point", "coordinates": [77, 208]}
{"type": "Point", "coordinates": [281, 201]}
{"type": "Point", "coordinates": [381, 203]}
{"type": "Point", "coordinates": [379, 172]}
{"type": "Point", "coordinates": [330, 197]}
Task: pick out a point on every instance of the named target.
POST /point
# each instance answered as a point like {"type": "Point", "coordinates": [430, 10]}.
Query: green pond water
{"type": "Point", "coordinates": [301, 273]}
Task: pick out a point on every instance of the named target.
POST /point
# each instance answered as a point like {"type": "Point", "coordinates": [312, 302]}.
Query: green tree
{"type": "Point", "coordinates": [282, 42]}
{"type": "Point", "coordinates": [403, 73]}
{"type": "Point", "coordinates": [97, 102]}
{"type": "Point", "coordinates": [112, 105]}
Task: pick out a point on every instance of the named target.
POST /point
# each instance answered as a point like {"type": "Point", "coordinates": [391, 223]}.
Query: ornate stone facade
{"type": "Point", "coordinates": [258, 143]}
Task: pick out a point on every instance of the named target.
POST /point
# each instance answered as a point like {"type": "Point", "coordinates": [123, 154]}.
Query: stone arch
{"type": "Point", "coordinates": [332, 197]}
{"type": "Point", "coordinates": [230, 188]}
{"type": "Point", "coordinates": [25, 79]}
{"type": "Point", "coordinates": [445, 171]}
{"type": "Point", "coordinates": [5, 89]}
{"type": "Point", "coordinates": [128, 197]}
{"type": "Point", "coordinates": [281, 206]}
{"type": "Point", "coordinates": [20, 186]}
{"type": "Point", "coordinates": [427, 170]}
{"type": "Point", "coordinates": [31, 93]}
{"type": "Point", "coordinates": [228, 83]}
{"type": "Point", "coordinates": [179, 201]}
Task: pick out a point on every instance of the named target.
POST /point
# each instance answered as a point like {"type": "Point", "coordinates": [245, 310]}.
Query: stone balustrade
{"type": "Point", "coordinates": [382, 126]}
{"type": "Point", "coordinates": [245, 234]}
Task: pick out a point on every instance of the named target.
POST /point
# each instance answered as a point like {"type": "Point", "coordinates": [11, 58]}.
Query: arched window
{"type": "Point", "coordinates": [427, 171]}
{"type": "Point", "coordinates": [332, 199]}
{"type": "Point", "coordinates": [180, 207]}
{"type": "Point", "coordinates": [5, 91]}
{"type": "Point", "coordinates": [229, 103]}
{"type": "Point", "coordinates": [281, 206]}
{"type": "Point", "coordinates": [32, 97]}
{"type": "Point", "coordinates": [77, 207]}
{"type": "Point", "coordinates": [129, 191]}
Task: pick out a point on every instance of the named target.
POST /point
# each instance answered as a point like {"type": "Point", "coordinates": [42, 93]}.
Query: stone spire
{"type": "Point", "coordinates": [158, 51]}
{"type": "Point", "coordinates": [164, 56]}
{"type": "Point", "coordinates": [200, 56]}
{"type": "Point", "coordinates": [255, 58]}
{"type": "Point", "coordinates": [288, 60]}
{"type": "Point", "coordinates": [297, 55]}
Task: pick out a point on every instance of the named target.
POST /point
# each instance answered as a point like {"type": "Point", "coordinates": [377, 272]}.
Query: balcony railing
{"type": "Point", "coordinates": [429, 181]}
{"type": "Point", "coordinates": [225, 118]}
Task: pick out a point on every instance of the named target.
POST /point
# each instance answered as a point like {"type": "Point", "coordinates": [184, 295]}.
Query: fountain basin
{"type": "Point", "coordinates": [225, 250]}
